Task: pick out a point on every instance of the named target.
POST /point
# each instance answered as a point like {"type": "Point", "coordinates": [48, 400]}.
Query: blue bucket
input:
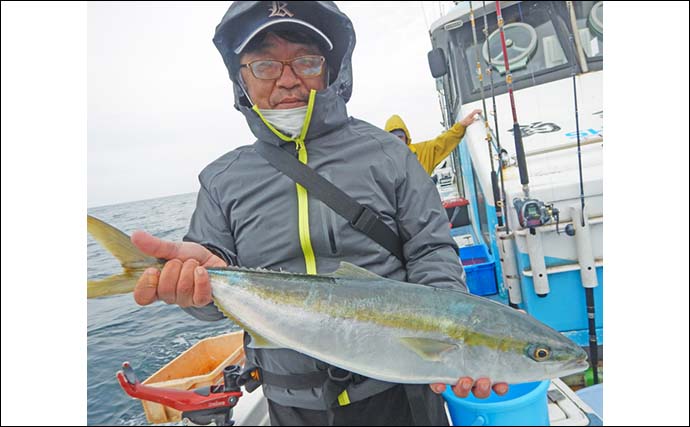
{"type": "Point", "coordinates": [524, 405]}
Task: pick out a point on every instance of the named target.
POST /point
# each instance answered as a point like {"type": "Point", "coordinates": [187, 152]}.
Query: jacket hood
{"type": "Point", "coordinates": [395, 122]}
{"type": "Point", "coordinates": [329, 106]}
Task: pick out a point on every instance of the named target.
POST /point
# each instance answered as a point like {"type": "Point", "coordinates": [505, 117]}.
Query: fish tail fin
{"type": "Point", "coordinates": [112, 285]}
{"type": "Point", "coordinates": [133, 261]}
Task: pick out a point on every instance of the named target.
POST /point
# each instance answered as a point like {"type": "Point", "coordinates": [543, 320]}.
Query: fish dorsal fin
{"type": "Point", "coordinates": [353, 272]}
{"type": "Point", "coordinates": [428, 348]}
{"type": "Point", "coordinates": [118, 244]}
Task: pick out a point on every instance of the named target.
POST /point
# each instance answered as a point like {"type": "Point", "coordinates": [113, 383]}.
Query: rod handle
{"type": "Point", "coordinates": [520, 153]}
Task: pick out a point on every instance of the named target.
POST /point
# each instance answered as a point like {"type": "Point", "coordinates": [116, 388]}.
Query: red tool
{"type": "Point", "coordinates": [201, 406]}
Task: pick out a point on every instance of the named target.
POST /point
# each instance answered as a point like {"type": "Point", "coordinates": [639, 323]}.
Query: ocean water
{"type": "Point", "coordinates": [119, 330]}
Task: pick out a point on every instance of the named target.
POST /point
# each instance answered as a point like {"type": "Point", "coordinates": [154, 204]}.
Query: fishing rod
{"type": "Point", "coordinates": [517, 133]}
{"type": "Point", "coordinates": [573, 24]}
{"type": "Point", "coordinates": [589, 290]}
{"type": "Point", "coordinates": [531, 213]}
{"type": "Point", "coordinates": [507, 257]}
{"type": "Point", "coordinates": [500, 150]}
{"type": "Point", "coordinates": [480, 77]}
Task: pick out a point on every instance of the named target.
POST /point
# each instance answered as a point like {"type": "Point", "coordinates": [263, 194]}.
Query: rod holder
{"type": "Point", "coordinates": [511, 279]}
{"type": "Point", "coordinates": [583, 240]}
{"type": "Point", "coordinates": [535, 251]}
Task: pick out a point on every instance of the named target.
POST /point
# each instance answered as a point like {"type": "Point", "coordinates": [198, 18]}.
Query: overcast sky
{"type": "Point", "coordinates": [160, 100]}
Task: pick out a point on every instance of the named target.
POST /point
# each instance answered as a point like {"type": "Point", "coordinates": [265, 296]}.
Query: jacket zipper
{"type": "Point", "coordinates": [303, 214]}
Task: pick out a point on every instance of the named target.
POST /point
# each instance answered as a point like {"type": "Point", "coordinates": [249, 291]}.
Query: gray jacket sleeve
{"type": "Point", "coordinates": [209, 228]}
{"type": "Point", "coordinates": [431, 253]}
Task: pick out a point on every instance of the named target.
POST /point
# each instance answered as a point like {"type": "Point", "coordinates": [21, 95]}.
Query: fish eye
{"type": "Point", "coordinates": [541, 354]}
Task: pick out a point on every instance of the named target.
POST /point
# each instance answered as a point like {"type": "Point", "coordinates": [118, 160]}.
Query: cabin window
{"type": "Point", "coordinates": [590, 25]}
{"type": "Point", "coordinates": [452, 80]}
{"type": "Point", "coordinates": [536, 42]}
{"type": "Point", "coordinates": [531, 42]}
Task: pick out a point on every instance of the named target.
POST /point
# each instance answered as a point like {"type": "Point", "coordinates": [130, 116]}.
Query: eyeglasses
{"type": "Point", "coordinates": [271, 69]}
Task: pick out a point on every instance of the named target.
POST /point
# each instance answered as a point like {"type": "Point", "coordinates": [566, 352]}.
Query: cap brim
{"type": "Point", "coordinates": [284, 21]}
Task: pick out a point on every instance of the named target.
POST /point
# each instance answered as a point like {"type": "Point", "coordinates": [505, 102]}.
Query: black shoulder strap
{"type": "Point", "coordinates": [360, 217]}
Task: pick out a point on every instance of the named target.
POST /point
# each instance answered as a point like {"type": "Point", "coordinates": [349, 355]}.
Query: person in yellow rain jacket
{"type": "Point", "coordinates": [431, 153]}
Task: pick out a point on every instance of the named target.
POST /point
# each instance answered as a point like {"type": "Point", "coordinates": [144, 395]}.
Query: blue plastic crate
{"type": "Point", "coordinates": [479, 267]}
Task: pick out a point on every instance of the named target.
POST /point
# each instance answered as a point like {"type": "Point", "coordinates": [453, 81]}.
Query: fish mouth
{"type": "Point", "coordinates": [581, 364]}
{"type": "Point", "coordinates": [575, 366]}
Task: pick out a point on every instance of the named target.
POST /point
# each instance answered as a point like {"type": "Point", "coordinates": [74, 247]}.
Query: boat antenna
{"type": "Point", "coordinates": [589, 292]}
{"type": "Point", "coordinates": [517, 134]}
{"type": "Point", "coordinates": [480, 77]}
{"type": "Point", "coordinates": [500, 150]}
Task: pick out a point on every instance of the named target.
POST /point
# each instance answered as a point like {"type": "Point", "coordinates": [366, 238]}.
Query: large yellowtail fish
{"type": "Point", "coordinates": [380, 328]}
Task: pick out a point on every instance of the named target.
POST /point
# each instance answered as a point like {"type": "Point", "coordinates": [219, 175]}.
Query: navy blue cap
{"type": "Point", "coordinates": [278, 16]}
{"type": "Point", "coordinates": [321, 20]}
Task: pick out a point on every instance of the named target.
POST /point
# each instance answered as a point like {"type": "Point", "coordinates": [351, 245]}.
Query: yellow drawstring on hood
{"type": "Point", "coordinates": [302, 198]}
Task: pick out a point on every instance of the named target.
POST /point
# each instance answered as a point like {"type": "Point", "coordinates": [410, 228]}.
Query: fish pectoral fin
{"type": "Point", "coordinates": [428, 348]}
{"type": "Point", "coordinates": [353, 272]}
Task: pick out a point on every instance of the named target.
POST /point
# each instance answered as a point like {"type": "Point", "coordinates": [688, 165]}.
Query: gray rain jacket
{"type": "Point", "coordinates": [248, 212]}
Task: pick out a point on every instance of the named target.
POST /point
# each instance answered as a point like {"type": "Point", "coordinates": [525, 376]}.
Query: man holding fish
{"type": "Point", "coordinates": [290, 64]}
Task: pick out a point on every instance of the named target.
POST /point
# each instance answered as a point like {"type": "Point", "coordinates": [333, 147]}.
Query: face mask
{"type": "Point", "coordinates": [288, 121]}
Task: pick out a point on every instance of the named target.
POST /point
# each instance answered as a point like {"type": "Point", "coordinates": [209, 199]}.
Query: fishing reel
{"type": "Point", "coordinates": [534, 213]}
{"type": "Point", "coordinates": [201, 406]}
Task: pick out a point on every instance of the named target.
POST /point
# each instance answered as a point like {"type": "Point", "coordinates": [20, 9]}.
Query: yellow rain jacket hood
{"type": "Point", "coordinates": [432, 152]}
